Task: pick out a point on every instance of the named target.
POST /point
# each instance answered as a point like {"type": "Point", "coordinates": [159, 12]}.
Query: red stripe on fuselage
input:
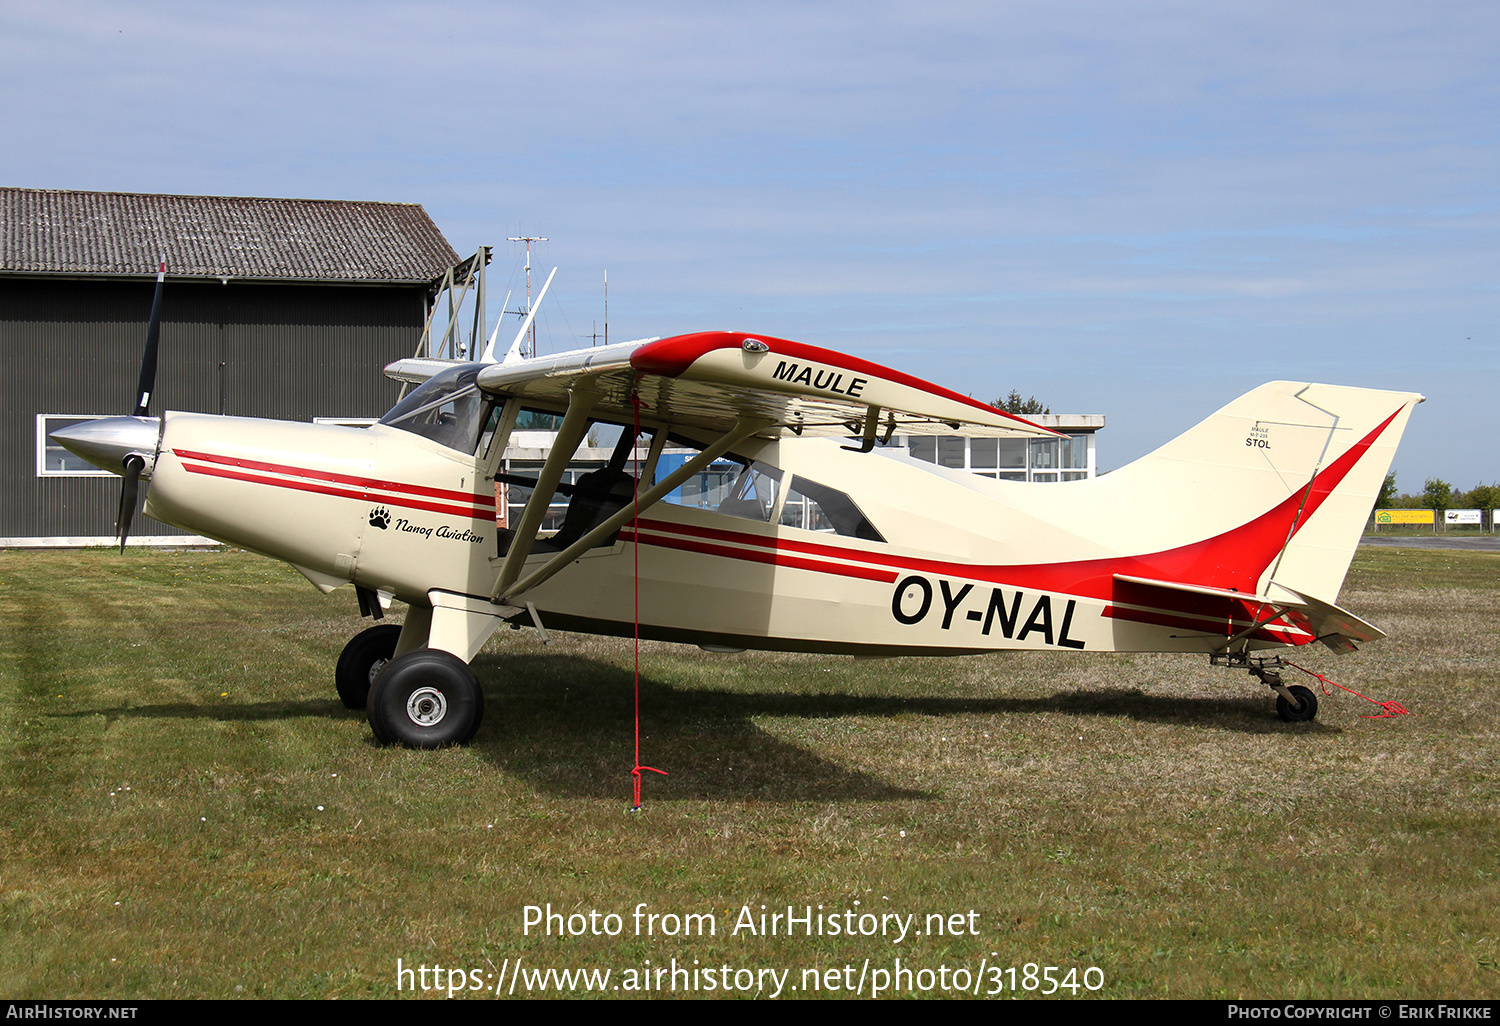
{"type": "Point", "coordinates": [1236, 615]}
{"type": "Point", "coordinates": [1233, 560]}
{"type": "Point", "coordinates": [316, 487]}
{"type": "Point", "coordinates": [758, 556]}
{"type": "Point", "coordinates": [344, 479]}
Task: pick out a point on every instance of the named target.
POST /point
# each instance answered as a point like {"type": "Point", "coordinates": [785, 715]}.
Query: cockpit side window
{"type": "Point", "coordinates": [705, 489]}
{"type": "Point", "coordinates": [448, 408]}
{"type": "Point", "coordinates": [752, 495]}
{"type": "Point", "coordinates": [734, 486]}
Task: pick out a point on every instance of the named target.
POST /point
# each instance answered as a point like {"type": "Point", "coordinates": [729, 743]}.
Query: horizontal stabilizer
{"type": "Point", "coordinates": [1289, 597]}
{"type": "Point", "coordinates": [1314, 619]}
{"type": "Point", "coordinates": [1331, 622]}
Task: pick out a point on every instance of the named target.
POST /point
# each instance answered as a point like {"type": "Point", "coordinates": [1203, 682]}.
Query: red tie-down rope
{"type": "Point", "coordinates": [1389, 708]}
{"type": "Point", "coordinates": [635, 546]}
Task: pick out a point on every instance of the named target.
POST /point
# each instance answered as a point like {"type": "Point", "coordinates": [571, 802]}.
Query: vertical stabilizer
{"type": "Point", "coordinates": [1276, 486]}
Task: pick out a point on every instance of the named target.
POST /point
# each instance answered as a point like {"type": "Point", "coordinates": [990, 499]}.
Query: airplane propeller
{"type": "Point", "coordinates": [134, 463]}
{"type": "Point", "coordinates": [125, 445]}
{"type": "Point", "coordinates": [130, 485]}
{"type": "Point", "coordinates": [148, 359]}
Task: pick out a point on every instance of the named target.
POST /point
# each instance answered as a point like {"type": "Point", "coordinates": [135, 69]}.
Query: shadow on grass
{"type": "Point", "coordinates": [565, 724]}
{"type": "Point", "coordinates": [1247, 715]}
{"type": "Point", "coordinates": [603, 690]}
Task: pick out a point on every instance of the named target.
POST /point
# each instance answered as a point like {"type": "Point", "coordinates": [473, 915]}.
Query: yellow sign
{"type": "Point", "coordinates": [1404, 516]}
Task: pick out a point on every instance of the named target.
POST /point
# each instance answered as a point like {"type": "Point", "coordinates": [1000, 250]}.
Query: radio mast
{"type": "Point", "coordinates": [529, 239]}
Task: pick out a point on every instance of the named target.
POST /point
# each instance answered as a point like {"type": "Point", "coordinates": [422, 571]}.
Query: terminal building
{"type": "Point", "coordinates": [1071, 458]}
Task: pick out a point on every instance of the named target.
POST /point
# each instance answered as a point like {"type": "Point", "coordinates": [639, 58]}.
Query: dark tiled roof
{"type": "Point", "coordinates": [47, 231]}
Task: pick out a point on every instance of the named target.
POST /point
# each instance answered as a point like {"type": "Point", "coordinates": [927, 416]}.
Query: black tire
{"type": "Point", "coordinates": [1300, 714]}
{"type": "Point", "coordinates": [361, 662]}
{"type": "Point", "coordinates": [426, 699]}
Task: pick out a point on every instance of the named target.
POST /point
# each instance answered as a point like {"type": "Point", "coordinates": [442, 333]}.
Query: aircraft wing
{"type": "Point", "coordinates": [714, 379]}
{"type": "Point", "coordinates": [415, 370]}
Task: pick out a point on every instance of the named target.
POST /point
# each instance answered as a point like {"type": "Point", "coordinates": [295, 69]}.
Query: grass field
{"type": "Point", "coordinates": [189, 811]}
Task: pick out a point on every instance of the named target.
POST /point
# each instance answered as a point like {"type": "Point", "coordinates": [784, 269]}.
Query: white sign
{"type": "Point", "coordinates": [1463, 516]}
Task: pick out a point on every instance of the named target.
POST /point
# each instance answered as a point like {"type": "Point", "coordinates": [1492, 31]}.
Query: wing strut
{"type": "Point", "coordinates": [569, 433]}
{"type": "Point", "coordinates": [505, 593]}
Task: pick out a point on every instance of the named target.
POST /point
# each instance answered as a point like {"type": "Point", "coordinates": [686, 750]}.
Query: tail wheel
{"type": "Point", "coordinates": [426, 699]}
{"type": "Point", "coordinates": [361, 662]}
{"type": "Point", "coordinates": [1304, 711]}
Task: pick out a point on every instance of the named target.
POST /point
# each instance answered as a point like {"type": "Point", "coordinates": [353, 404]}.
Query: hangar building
{"type": "Point", "coordinates": [273, 308]}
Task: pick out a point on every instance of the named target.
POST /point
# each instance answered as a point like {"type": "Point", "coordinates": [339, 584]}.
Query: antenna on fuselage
{"type": "Point", "coordinates": [488, 356]}
{"type": "Point", "coordinates": [515, 353]}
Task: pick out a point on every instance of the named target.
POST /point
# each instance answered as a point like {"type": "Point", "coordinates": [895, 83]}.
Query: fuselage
{"type": "Point", "coordinates": [940, 565]}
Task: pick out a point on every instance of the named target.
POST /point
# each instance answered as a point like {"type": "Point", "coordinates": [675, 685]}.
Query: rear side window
{"type": "Point", "coordinates": [752, 490]}
{"type": "Point", "coordinates": [811, 506]}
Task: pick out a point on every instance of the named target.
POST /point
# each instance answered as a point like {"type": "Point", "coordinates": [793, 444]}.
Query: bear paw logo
{"type": "Point", "coordinates": [380, 517]}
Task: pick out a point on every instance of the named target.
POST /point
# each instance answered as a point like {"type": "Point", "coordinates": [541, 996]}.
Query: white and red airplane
{"type": "Point", "coordinates": [1232, 540]}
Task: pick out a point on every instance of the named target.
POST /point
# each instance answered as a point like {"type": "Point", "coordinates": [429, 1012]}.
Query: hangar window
{"type": "Point", "coordinates": [52, 460]}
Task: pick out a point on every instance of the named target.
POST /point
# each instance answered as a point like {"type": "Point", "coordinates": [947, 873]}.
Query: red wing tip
{"type": "Point", "coordinates": [671, 357]}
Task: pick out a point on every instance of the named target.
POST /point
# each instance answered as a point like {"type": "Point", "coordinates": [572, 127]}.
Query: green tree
{"type": "Point", "coordinates": [1013, 403]}
{"type": "Point", "coordinates": [1387, 496]}
{"type": "Point", "coordinates": [1485, 496]}
{"type": "Point", "coordinates": [1437, 494]}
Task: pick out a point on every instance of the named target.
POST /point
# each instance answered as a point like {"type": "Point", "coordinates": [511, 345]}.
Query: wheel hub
{"type": "Point", "coordinates": [426, 707]}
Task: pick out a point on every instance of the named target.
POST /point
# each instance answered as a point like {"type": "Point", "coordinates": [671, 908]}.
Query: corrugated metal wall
{"type": "Point", "coordinates": [292, 352]}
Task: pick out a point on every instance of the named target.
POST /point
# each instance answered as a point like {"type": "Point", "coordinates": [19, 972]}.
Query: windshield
{"type": "Point", "coordinates": [448, 408]}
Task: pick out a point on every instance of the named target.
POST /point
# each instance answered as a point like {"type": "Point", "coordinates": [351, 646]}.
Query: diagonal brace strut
{"type": "Point", "coordinates": [506, 594]}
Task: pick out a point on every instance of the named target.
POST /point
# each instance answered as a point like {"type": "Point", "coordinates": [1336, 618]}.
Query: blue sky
{"type": "Point", "coordinates": [1131, 208]}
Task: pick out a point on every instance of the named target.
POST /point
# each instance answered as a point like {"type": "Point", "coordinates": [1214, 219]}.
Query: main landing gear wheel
{"type": "Point", "coordinates": [1304, 711]}
{"type": "Point", "coordinates": [361, 662]}
{"type": "Point", "coordinates": [426, 699]}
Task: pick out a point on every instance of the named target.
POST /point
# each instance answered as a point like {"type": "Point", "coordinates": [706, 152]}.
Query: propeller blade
{"type": "Point", "coordinates": [148, 359]}
{"type": "Point", "coordinates": [130, 484]}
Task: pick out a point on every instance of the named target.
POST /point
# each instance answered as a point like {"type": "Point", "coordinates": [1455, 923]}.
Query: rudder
{"type": "Point", "coordinates": [1304, 462]}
